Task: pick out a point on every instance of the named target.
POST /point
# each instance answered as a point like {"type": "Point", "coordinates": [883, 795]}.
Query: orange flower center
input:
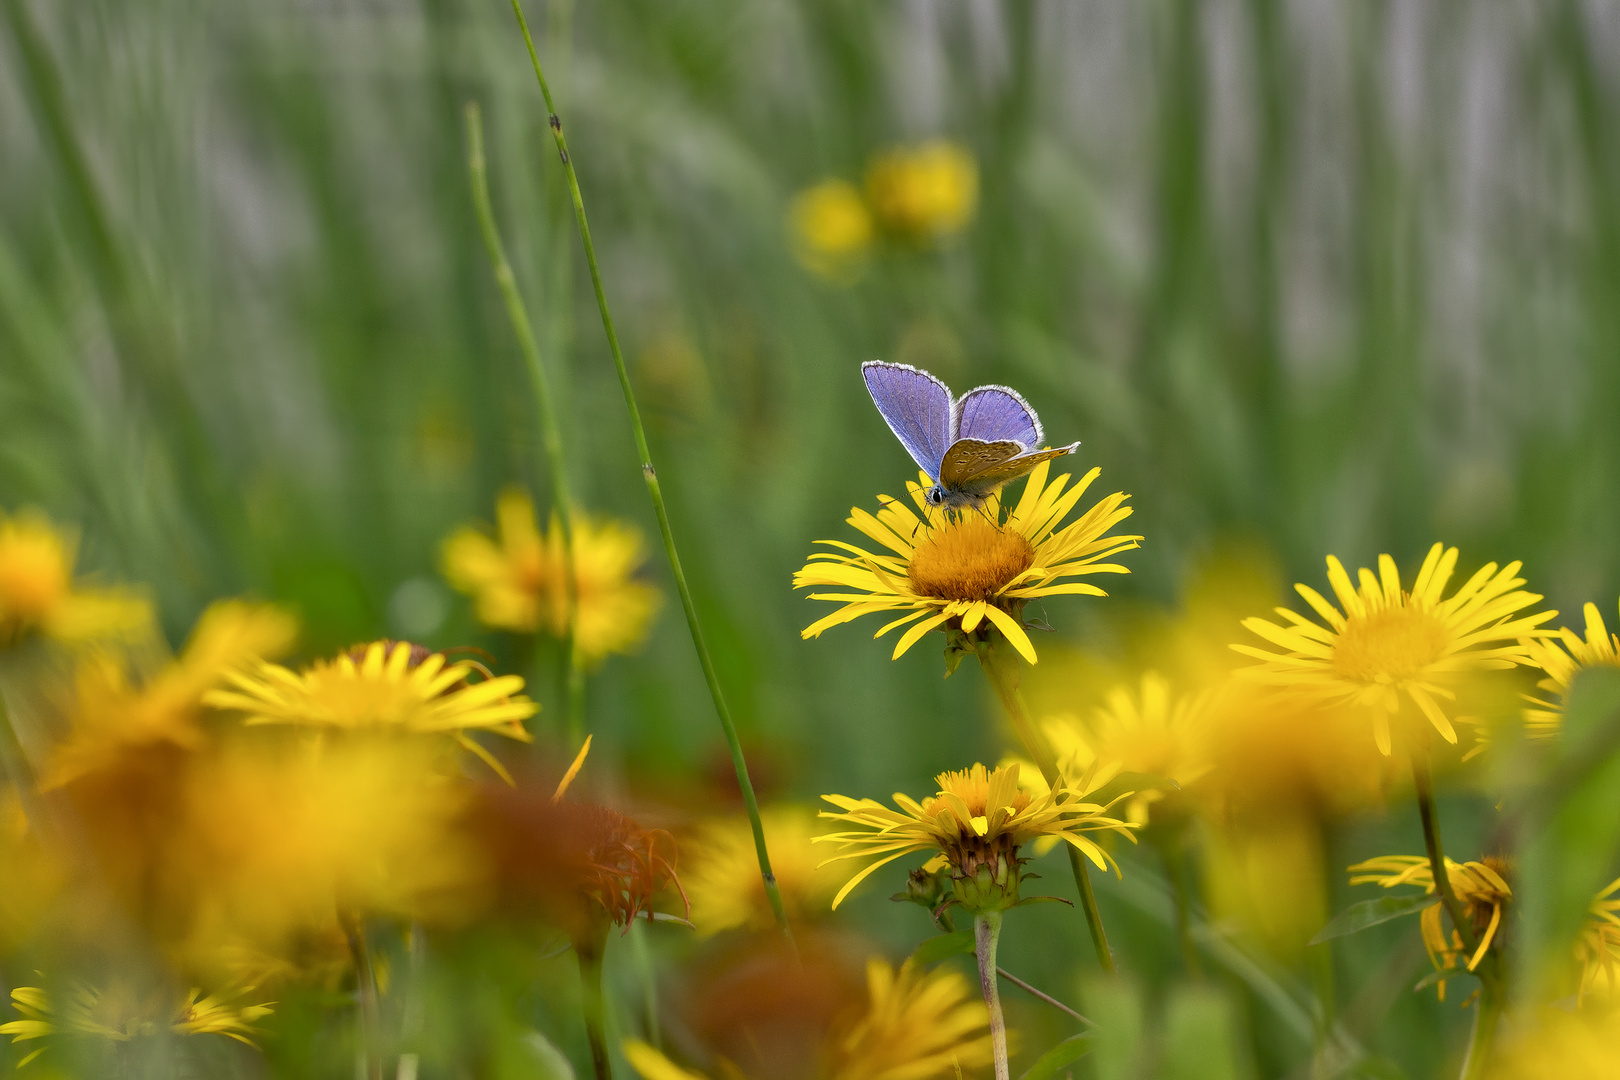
{"type": "Point", "coordinates": [1389, 646]}
{"type": "Point", "coordinates": [969, 559]}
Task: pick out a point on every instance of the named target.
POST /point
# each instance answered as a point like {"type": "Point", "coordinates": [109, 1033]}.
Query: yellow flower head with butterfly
{"type": "Point", "coordinates": [965, 560]}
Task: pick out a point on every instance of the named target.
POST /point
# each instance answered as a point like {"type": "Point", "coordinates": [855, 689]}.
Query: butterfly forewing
{"type": "Point", "coordinates": [994, 414]}
{"type": "Point", "coordinates": [917, 408]}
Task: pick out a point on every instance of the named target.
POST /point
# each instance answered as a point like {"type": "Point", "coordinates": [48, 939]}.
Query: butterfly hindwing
{"type": "Point", "coordinates": [994, 414]}
{"type": "Point", "coordinates": [917, 408]}
{"type": "Point", "coordinates": [975, 467]}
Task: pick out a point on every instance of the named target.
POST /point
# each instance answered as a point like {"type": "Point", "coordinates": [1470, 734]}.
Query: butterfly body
{"type": "Point", "coordinates": [969, 446]}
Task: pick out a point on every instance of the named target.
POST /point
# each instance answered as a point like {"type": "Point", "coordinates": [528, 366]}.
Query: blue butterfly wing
{"type": "Point", "coordinates": [917, 408]}
{"type": "Point", "coordinates": [996, 414]}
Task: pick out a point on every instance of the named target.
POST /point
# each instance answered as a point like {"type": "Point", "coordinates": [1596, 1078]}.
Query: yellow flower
{"type": "Point", "coordinates": [1153, 731]}
{"type": "Point", "coordinates": [38, 594]}
{"type": "Point", "coordinates": [118, 1017]}
{"type": "Point", "coordinates": [1563, 1046]}
{"type": "Point", "coordinates": [964, 569]}
{"type": "Point", "coordinates": [722, 871]}
{"type": "Point", "coordinates": [1271, 748]}
{"type": "Point", "coordinates": [976, 822]}
{"type": "Point", "coordinates": [1598, 947]}
{"type": "Point", "coordinates": [384, 686]}
{"type": "Point", "coordinates": [831, 228]}
{"type": "Point", "coordinates": [276, 842]}
{"type": "Point", "coordinates": [1562, 664]}
{"type": "Point", "coordinates": [1481, 888]}
{"type": "Point", "coordinates": [517, 580]}
{"type": "Point", "coordinates": [111, 716]}
{"type": "Point", "coordinates": [920, 193]}
{"type": "Point", "coordinates": [918, 1025]}
{"type": "Point", "coordinates": [1390, 642]}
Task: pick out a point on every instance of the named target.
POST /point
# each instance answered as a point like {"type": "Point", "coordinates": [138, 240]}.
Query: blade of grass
{"type": "Point", "coordinates": [650, 474]}
{"type": "Point", "coordinates": [550, 434]}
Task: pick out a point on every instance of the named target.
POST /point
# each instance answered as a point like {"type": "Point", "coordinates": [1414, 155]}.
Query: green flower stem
{"type": "Point", "coordinates": [550, 433]}
{"type": "Point", "coordinates": [739, 763]}
{"type": "Point", "coordinates": [1424, 785]}
{"type": "Point", "coordinates": [1001, 667]}
{"type": "Point", "coordinates": [1487, 1012]}
{"type": "Point", "coordinates": [1175, 865]}
{"type": "Point", "coordinates": [986, 933]}
{"type": "Point", "coordinates": [589, 954]}
{"type": "Point", "coordinates": [370, 1010]}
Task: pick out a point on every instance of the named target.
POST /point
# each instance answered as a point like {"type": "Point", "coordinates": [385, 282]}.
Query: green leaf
{"type": "Point", "coordinates": [1357, 917]}
{"type": "Point", "coordinates": [1434, 978]}
{"type": "Point", "coordinates": [1064, 1053]}
{"type": "Point", "coordinates": [664, 916]}
{"type": "Point", "coordinates": [1026, 901]}
{"type": "Point", "coordinates": [935, 949]}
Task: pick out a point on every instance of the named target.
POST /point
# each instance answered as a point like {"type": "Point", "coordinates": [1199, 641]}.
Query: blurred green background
{"type": "Point", "coordinates": [1302, 276]}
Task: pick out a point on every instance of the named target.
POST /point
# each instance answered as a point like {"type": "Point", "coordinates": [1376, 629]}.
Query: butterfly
{"type": "Point", "coordinates": [968, 446]}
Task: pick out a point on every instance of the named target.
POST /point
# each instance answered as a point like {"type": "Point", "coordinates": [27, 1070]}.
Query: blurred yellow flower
{"type": "Point", "coordinates": [920, 193]}
{"type": "Point", "coordinates": [517, 579]}
{"type": "Point", "coordinates": [38, 594]}
{"type": "Point", "coordinates": [918, 1025]}
{"type": "Point", "coordinates": [1388, 641]}
{"type": "Point", "coordinates": [1271, 749]}
{"type": "Point", "coordinates": [385, 686]}
{"type": "Point", "coordinates": [962, 570]}
{"type": "Point", "coordinates": [120, 1017]}
{"type": "Point", "coordinates": [831, 228]}
{"type": "Point", "coordinates": [110, 715]}
{"type": "Point", "coordinates": [1563, 1046]}
{"type": "Point", "coordinates": [279, 842]}
{"type": "Point", "coordinates": [1598, 948]}
{"type": "Point", "coordinates": [722, 871]}
{"type": "Point", "coordinates": [35, 875]}
{"type": "Point", "coordinates": [1151, 730]}
{"type": "Point", "coordinates": [1481, 887]}
{"type": "Point", "coordinates": [977, 821]}
{"type": "Point", "coordinates": [1562, 656]}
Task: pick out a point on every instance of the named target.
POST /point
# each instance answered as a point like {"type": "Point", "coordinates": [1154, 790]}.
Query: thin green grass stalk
{"type": "Point", "coordinates": [1487, 1011]}
{"type": "Point", "coordinates": [589, 955]}
{"type": "Point", "coordinates": [647, 971]}
{"type": "Point", "coordinates": [1001, 669]}
{"type": "Point", "coordinates": [772, 892]}
{"type": "Point", "coordinates": [369, 1008]}
{"type": "Point", "coordinates": [550, 434]}
{"type": "Point", "coordinates": [1041, 995]}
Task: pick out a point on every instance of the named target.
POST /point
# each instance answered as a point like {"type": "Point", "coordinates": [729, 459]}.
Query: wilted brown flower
{"type": "Point", "coordinates": [578, 864]}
